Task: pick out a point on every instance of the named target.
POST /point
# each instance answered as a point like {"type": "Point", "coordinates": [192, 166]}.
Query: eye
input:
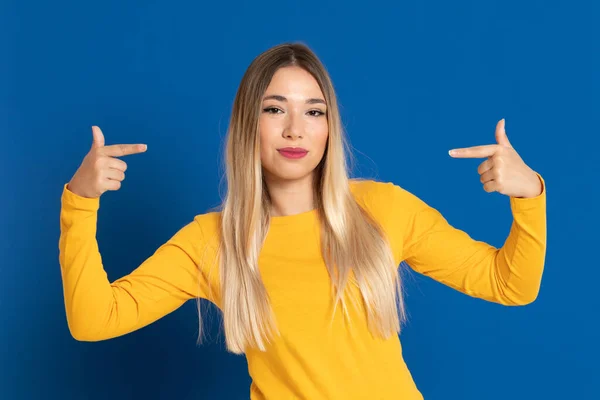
{"type": "Point", "coordinates": [271, 110]}
{"type": "Point", "coordinates": [316, 113]}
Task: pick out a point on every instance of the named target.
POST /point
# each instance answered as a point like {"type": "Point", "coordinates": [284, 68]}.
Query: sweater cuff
{"type": "Point", "coordinates": [524, 204]}
{"type": "Point", "coordinates": [75, 202]}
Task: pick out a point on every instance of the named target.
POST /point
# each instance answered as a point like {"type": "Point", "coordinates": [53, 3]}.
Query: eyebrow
{"type": "Point", "coordinates": [282, 98]}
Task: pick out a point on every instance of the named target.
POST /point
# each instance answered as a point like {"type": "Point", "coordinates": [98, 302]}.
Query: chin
{"type": "Point", "coordinates": [288, 174]}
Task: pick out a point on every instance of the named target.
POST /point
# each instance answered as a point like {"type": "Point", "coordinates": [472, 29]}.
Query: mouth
{"type": "Point", "coordinates": [293, 152]}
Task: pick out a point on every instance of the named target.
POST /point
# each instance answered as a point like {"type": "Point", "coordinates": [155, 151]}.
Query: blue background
{"type": "Point", "coordinates": [414, 79]}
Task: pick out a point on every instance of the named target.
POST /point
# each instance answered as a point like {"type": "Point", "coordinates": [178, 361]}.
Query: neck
{"type": "Point", "coordinates": [290, 197]}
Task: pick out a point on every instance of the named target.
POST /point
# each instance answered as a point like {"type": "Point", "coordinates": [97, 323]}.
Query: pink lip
{"type": "Point", "coordinates": [293, 152]}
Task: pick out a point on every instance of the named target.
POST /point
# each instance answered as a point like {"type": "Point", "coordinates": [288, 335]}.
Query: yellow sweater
{"type": "Point", "coordinates": [311, 359]}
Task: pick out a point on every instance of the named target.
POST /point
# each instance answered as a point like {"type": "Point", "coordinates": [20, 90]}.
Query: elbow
{"type": "Point", "coordinates": [80, 335]}
{"type": "Point", "coordinates": [532, 298]}
{"type": "Point", "coordinates": [526, 301]}
{"type": "Point", "coordinates": [522, 292]}
{"type": "Point", "coordinates": [80, 338]}
{"type": "Point", "coordinates": [81, 332]}
{"type": "Point", "coordinates": [523, 299]}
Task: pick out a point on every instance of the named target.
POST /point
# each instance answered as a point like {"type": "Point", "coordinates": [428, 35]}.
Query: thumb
{"type": "Point", "coordinates": [501, 137]}
{"type": "Point", "coordinates": [98, 137]}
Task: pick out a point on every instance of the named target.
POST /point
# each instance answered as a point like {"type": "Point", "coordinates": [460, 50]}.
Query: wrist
{"type": "Point", "coordinates": [536, 186]}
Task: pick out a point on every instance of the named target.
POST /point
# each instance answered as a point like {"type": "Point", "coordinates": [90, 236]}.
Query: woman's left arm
{"type": "Point", "coordinates": [510, 275]}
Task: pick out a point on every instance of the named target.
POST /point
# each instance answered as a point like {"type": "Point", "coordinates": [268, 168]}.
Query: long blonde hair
{"type": "Point", "coordinates": [351, 240]}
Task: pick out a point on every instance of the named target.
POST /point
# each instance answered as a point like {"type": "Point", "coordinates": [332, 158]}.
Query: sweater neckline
{"type": "Point", "coordinates": [301, 219]}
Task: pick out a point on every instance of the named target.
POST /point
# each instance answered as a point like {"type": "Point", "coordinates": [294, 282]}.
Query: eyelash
{"type": "Point", "coordinates": [319, 113]}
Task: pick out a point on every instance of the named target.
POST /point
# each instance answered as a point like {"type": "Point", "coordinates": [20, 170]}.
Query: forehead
{"type": "Point", "coordinates": [294, 80]}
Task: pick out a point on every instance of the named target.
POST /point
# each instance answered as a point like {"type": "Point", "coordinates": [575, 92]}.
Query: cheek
{"type": "Point", "coordinates": [320, 136]}
{"type": "Point", "coordinates": [266, 132]}
{"type": "Point", "coordinates": [269, 133]}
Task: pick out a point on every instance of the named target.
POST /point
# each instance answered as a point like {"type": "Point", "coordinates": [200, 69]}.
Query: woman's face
{"type": "Point", "coordinates": [293, 125]}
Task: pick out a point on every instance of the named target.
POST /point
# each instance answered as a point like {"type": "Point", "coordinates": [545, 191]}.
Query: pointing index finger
{"type": "Point", "coordinates": [118, 150]}
{"type": "Point", "coordinates": [475, 151]}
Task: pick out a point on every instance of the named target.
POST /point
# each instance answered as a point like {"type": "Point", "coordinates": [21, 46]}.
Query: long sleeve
{"type": "Point", "coordinates": [97, 309]}
{"type": "Point", "coordinates": [510, 275]}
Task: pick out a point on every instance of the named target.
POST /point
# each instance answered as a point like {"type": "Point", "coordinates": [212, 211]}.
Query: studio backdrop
{"type": "Point", "coordinates": [413, 79]}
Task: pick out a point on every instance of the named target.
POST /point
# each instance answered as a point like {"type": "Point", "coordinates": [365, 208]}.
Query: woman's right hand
{"type": "Point", "coordinates": [100, 170]}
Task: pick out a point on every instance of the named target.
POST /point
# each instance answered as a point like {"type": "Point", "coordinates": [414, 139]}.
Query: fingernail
{"type": "Point", "coordinates": [144, 147]}
{"type": "Point", "coordinates": [452, 152]}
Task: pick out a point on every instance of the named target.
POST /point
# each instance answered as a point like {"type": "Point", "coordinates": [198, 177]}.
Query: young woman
{"type": "Point", "coordinates": [301, 260]}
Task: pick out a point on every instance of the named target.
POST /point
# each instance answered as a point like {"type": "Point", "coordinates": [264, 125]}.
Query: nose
{"type": "Point", "coordinates": [293, 129]}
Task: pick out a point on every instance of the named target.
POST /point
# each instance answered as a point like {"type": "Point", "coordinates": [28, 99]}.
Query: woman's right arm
{"type": "Point", "coordinates": [97, 309]}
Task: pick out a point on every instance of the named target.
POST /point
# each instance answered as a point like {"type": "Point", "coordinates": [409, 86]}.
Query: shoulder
{"type": "Point", "coordinates": [209, 225]}
{"type": "Point", "coordinates": [369, 188]}
{"type": "Point", "coordinates": [391, 206]}
{"type": "Point", "coordinates": [198, 232]}
{"type": "Point", "coordinates": [383, 198]}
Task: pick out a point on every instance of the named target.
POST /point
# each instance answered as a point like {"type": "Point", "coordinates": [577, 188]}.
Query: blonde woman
{"type": "Point", "coordinates": [301, 260]}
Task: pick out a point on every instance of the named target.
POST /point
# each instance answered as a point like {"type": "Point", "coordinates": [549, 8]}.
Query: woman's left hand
{"type": "Point", "coordinates": [504, 171]}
